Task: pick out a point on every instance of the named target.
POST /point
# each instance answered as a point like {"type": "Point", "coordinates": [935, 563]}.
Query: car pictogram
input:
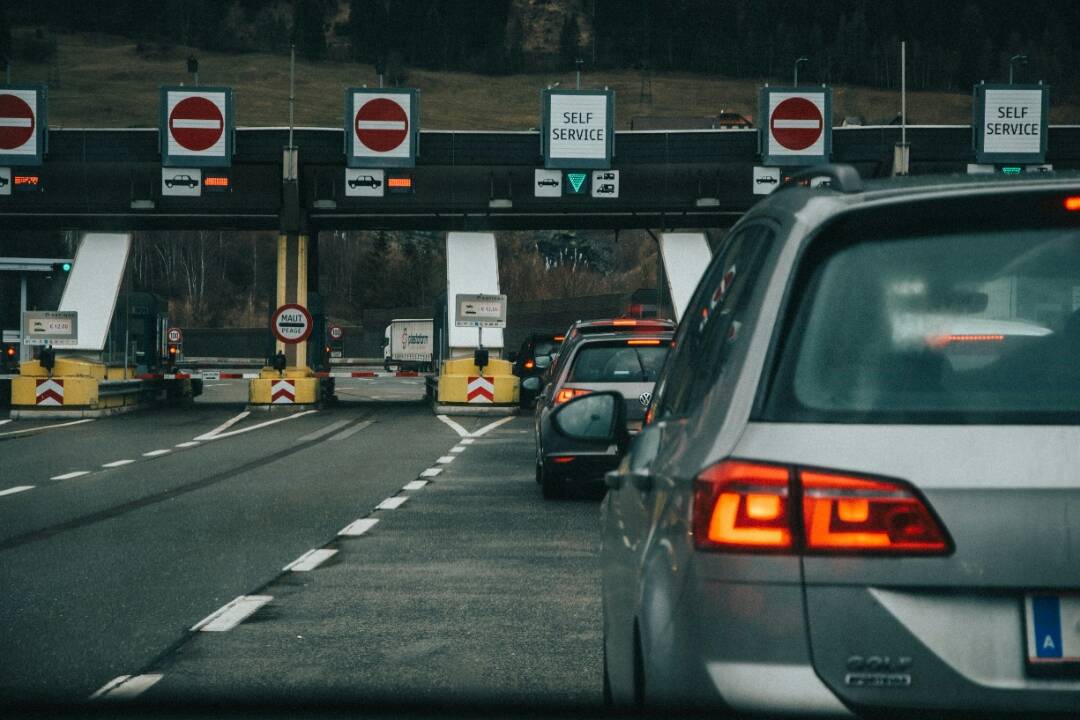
{"type": "Point", "coordinates": [364, 181]}
{"type": "Point", "coordinates": [548, 182]}
{"type": "Point", "coordinates": [181, 180]}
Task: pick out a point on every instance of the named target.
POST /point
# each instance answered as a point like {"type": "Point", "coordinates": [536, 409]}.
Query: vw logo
{"type": "Point", "coordinates": [645, 398]}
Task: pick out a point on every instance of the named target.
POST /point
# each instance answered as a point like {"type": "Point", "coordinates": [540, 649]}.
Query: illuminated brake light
{"type": "Point", "coordinates": [742, 506]}
{"type": "Point", "coordinates": [847, 513]}
{"type": "Point", "coordinates": [1072, 204]}
{"type": "Point", "coordinates": [624, 323]}
{"type": "Point", "coordinates": [642, 342]}
{"type": "Point", "coordinates": [559, 338]}
{"type": "Point", "coordinates": [568, 394]}
{"type": "Point", "coordinates": [943, 340]}
{"type": "Point", "coordinates": [529, 364]}
{"type": "Point", "coordinates": [563, 460]}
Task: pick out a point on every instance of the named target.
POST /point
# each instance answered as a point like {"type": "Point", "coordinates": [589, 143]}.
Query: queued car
{"type": "Point", "coordinates": [536, 355]}
{"type": "Point", "coordinates": [626, 362]}
{"type": "Point", "coordinates": [856, 490]}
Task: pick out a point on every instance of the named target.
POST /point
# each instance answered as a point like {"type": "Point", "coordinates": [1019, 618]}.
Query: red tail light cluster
{"type": "Point", "coordinates": [568, 394]}
{"type": "Point", "coordinates": [742, 506]}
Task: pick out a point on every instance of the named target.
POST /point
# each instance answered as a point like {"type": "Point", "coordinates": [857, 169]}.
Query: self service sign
{"type": "Point", "coordinates": [577, 128]}
{"type": "Point", "coordinates": [1010, 123]}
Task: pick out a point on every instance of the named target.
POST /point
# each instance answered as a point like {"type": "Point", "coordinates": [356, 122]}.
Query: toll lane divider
{"type": "Point", "coordinates": [219, 375]}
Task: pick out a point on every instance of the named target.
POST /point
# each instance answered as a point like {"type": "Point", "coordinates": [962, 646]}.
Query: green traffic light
{"type": "Point", "coordinates": [576, 180]}
{"type": "Point", "coordinates": [66, 267]}
{"type": "Point", "coordinates": [1012, 170]}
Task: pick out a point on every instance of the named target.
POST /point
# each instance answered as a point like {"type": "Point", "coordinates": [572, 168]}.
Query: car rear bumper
{"type": "Point", "coordinates": [576, 468]}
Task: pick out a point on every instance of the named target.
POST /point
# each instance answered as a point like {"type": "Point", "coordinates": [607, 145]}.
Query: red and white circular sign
{"type": "Point", "coordinates": [291, 324]}
{"type": "Point", "coordinates": [796, 123]}
{"type": "Point", "coordinates": [175, 335]}
{"type": "Point", "coordinates": [17, 122]}
{"type": "Point", "coordinates": [382, 125]}
{"type": "Point", "coordinates": [196, 123]}
{"type": "Point", "coordinates": [336, 333]}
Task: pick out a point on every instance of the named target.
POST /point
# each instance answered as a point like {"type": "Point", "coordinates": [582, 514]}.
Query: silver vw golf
{"type": "Point", "coordinates": [858, 488]}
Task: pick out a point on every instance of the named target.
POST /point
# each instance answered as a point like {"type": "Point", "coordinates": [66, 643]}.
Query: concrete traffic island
{"type": "Point", "coordinates": [465, 389]}
{"type": "Point", "coordinates": [293, 389]}
{"type": "Point", "coordinates": [76, 387]}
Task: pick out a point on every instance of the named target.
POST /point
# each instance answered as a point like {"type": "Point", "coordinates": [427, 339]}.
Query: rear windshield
{"type": "Point", "coordinates": [618, 363]}
{"type": "Point", "coordinates": [544, 347]}
{"type": "Point", "coordinates": [976, 328]}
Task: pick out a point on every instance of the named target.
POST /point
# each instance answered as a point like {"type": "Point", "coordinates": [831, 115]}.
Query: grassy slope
{"type": "Point", "coordinates": [101, 82]}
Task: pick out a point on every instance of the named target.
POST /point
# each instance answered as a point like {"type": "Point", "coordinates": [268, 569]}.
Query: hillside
{"type": "Point", "coordinates": [106, 81]}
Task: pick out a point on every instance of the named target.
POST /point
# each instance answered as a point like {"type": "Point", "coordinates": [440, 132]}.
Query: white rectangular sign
{"type": "Point", "coordinates": [480, 311]}
{"type": "Point", "coordinates": [547, 183]}
{"type": "Point", "coordinates": [1012, 121]}
{"type": "Point", "coordinates": [196, 123]}
{"type": "Point", "coordinates": [766, 179]}
{"type": "Point", "coordinates": [365, 182]}
{"type": "Point", "coordinates": [605, 183]}
{"type": "Point", "coordinates": [5, 181]}
{"type": "Point", "coordinates": [50, 328]}
{"type": "Point", "coordinates": [577, 127]}
{"type": "Point", "coordinates": [181, 182]}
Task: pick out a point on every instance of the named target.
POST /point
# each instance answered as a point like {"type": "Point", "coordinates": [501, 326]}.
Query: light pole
{"type": "Point", "coordinates": [193, 68]}
{"type": "Point", "coordinates": [800, 60]}
{"type": "Point", "coordinates": [1018, 58]}
{"type": "Point", "coordinates": [579, 62]}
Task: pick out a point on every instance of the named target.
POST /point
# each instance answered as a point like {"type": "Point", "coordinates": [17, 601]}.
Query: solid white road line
{"type": "Point", "coordinates": [71, 475]}
{"type": "Point", "coordinates": [454, 426]}
{"type": "Point", "coordinates": [224, 426]}
{"type": "Point", "coordinates": [5, 422]}
{"type": "Point", "coordinates": [353, 430]}
{"type": "Point", "coordinates": [310, 560]}
{"type": "Point", "coordinates": [359, 527]}
{"type": "Point", "coordinates": [415, 485]}
{"type": "Point", "coordinates": [117, 463]}
{"type": "Point", "coordinates": [189, 443]}
{"type": "Point", "coordinates": [392, 503]}
{"type": "Point", "coordinates": [445, 460]}
{"type": "Point", "coordinates": [16, 489]}
{"type": "Point", "coordinates": [431, 472]}
{"type": "Point", "coordinates": [332, 427]}
{"type": "Point", "coordinates": [268, 423]}
{"type": "Point", "coordinates": [488, 428]}
{"type": "Point", "coordinates": [126, 687]}
{"type": "Point", "coordinates": [458, 449]}
{"type": "Point", "coordinates": [47, 427]}
{"type": "Point", "coordinates": [232, 614]}
{"type": "Point", "coordinates": [156, 453]}
{"type": "Point", "coordinates": [466, 441]}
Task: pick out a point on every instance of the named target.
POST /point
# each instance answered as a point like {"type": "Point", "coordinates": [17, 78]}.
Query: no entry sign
{"type": "Point", "coordinates": [291, 324]}
{"type": "Point", "coordinates": [799, 130]}
{"type": "Point", "coordinates": [382, 127]}
{"type": "Point", "coordinates": [22, 125]}
{"type": "Point", "coordinates": [196, 127]}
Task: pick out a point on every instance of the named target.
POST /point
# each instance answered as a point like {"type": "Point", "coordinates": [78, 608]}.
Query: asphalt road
{"type": "Point", "coordinates": [472, 590]}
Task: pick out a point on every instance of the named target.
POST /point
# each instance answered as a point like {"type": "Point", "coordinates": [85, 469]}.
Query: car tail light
{"type": "Point", "coordinates": [1072, 204]}
{"type": "Point", "coordinates": [745, 506]}
{"type": "Point", "coordinates": [741, 506]}
{"type": "Point", "coordinates": [624, 323]}
{"type": "Point", "coordinates": [843, 513]}
{"type": "Point", "coordinates": [568, 394]}
{"type": "Point", "coordinates": [529, 364]}
{"type": "Point", "coordinates": [642, 342]}
{"type": "Point", "coordinates": [559, 338]}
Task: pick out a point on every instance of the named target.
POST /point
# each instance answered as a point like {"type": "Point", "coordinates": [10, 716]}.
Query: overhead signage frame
{"type": "Point", "coordinates": [197, 127]}
{"type": "Point", "coordinates": [796, 127]}
{"type": "Point", "coordinates": [382, 127]}
{"type": "Point", "coordinates": [1009, 123]}
{"type": "Point", "coordinates": [24, 127]}
{"type": "Point", "coordinates": [577, 129]}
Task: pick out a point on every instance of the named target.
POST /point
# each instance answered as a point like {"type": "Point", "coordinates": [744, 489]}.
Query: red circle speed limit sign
{"type": "Point", "coordinates": [174, 335]}
{"type": "Point", "coordinates": [291, 324]}
{"type": "Point", "coordinates": [336, 333]}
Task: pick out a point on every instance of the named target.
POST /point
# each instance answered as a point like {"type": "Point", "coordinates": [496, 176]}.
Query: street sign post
{"type": "Point", "coordinates": [23, 125]}
{"type": "Point", "coordinates": [196, 127]}
{"type": "Point", "coordinates": [291, 324]}
{"type": "Point", "coordinates": [799, 126]}
{"type": "Point", "coordinates": [577, 128]}
{"type": "Point", "coordinates": [480, 311]}
{"type": "Point", "coordinates": [382, 127]}
{"type": "Point", "coordinates": [1010, 123]}
{"type": "Point", "coordinates": [50, 327]}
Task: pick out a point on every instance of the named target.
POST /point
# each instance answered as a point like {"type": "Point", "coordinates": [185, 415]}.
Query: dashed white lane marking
{"type": "Point", "coordinates": [46, 427]}
{"type": "Point", "coordinates": [5, 422]}
{"type": "Point", "coordinates": [458, 449]}
{"type": "Point", "coordinates": [268, 423]}
{"type": "Point", "coordinates": [392, 503]}
{"type": "Point", "coordinates": [415, 485]}
{"type": "Point", "coordinates": [16, 489]}
{"type": "Point", "coordinates": [232, 614]}
{"type": "Point", "coordinates": [431, 472]}
{"type": "Point", "coordinates": [353, 430]}
{"type": "Point", "coordinates": [126, 687]}
{"type": "Point", "coordinates": [117, 463]}
{"type": "Point", "coordinates": [466, 441]}
{"type": "Point", "coordinates": [189, 443]}
{"type": "Point", "coordinates": [445, 460]}
{"type": "Point", "coordinates": [224, 426]}
{"type": "Point", "coordinates": [359, 527]}
{"type": "Point", "coordinates": [310, 560]}
{"type": "Point", "coordinates": [156, 453]}
{"type": "Point", "coordinates": [488, 428]}
{"type": "Point", "coordinates": [454, 426]}
{"type": "Point", "coordinates": [315, 435]}
{"type": "Point", "coordinates": [71, 475]}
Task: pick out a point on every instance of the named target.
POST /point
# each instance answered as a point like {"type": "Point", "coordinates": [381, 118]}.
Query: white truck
{"type": "Point", "coordinates": [408, 344]}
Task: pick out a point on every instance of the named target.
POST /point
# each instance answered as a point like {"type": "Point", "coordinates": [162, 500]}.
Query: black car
{"type": "Point", "coordinates": [536, 355]}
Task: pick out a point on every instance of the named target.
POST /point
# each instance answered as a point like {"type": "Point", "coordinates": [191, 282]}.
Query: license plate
{"type": "Point", "coordinates": [1053, 633]}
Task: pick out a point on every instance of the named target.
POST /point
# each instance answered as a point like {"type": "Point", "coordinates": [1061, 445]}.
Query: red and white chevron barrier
{"type": "Point", "coordinates": [283, 392]}
{"type": "Point", "coordinates": [49, 392]}
{"type": "Point", "coordinates": [480, 390]}
{"type": "Point", "coordinates": [219, 375]}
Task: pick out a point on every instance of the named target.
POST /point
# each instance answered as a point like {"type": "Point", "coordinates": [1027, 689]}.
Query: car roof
{"type": "Point", "coordinates": [625, 324]}
{"type": "Point", "coordinates": [594, 338]}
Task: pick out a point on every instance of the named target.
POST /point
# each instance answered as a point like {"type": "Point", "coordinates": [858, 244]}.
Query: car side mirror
{"type": "Point", "coordinates": [543, 362]}
{"type": "Point", "coordinates": [532, 384]}
{"type": "Point", "coordinates": [597, 418]}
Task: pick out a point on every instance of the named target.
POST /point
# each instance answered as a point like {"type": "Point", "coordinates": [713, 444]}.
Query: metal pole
{"type": "Point", "coordinates": [799, 60]}
{"type": "Point", "coordinates": [903, 92]}
{"type": "Point", "coordinates": [292, 93]}
{"type": "Point", "coordinates": [579, 62]}
{"type": "Point", "coordinates": [24, 349]}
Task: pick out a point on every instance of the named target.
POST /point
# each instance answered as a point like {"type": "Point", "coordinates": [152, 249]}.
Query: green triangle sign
{"type": "Point", "coordinates": [576, 180]}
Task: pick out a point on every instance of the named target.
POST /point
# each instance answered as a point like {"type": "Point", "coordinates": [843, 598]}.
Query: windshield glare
{"type": "Point", "coordinates": [938, 328]}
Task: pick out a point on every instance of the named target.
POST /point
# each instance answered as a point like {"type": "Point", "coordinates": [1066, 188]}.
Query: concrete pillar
{"type": "Point", "coordinates": [292, 287]}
